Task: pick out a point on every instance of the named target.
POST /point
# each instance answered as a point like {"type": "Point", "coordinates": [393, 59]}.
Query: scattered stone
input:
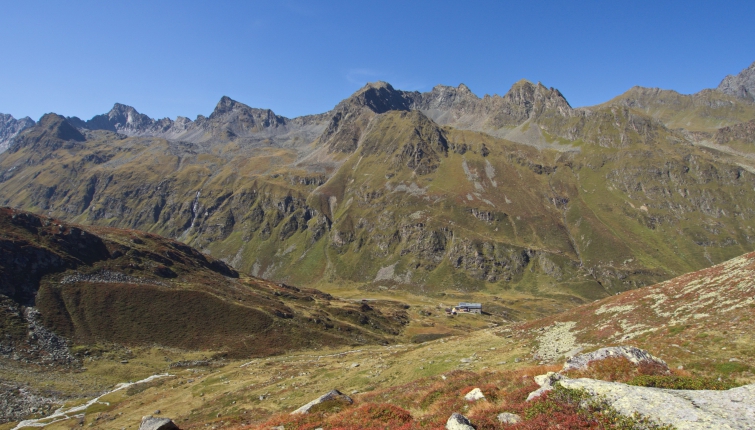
{"type": "Point", "coordinates": [634, 355]}
{"type": "Point", "coordinates": [466, 360]}
{"type": "Point", "coordinates": [458, 421]}
{"type": "Point", "coordinates": [278, 428]}
{"type": "Point", "coordinates": [332, 395]}
{"type": "Point", "coordinates": [353, 365]}
{"type": "Point", "coordinates": [508, 418]}
{"type": "Point", "coordinates": [157, 412]}
{"type": "Point", "coordinates": [474, 395]}
{"type": "Point", "coordinates": [151, 423]}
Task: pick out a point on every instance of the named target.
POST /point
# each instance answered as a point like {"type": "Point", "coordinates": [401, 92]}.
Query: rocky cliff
{"type": "Point", "coordinates": [741, 85]}
{"type": "Point", "coordinates": [10, 127]}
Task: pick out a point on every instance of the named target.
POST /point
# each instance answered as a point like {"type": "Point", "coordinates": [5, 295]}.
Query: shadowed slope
{"type": "Point", "coordinates": [100, 284]}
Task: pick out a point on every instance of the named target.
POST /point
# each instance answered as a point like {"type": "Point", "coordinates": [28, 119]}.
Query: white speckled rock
{"type": "Point", "coordinates": [474, 395]}
{"type": "Point", "coordinates": [508, 418]}
{"type": "Point", "coordinates": [331, 395]}
{"type": "Point", "coordinates": [683, 409]}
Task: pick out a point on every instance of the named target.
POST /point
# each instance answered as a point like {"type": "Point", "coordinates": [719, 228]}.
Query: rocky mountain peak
{"type": "Point", "coordinates": [225, 105]}
{"type": "Point", "coordinates": [379, 97]}
{"type": "Point", "coordinates": [50, 133]}
{"type": "Point", "coordinates": [11, 127]}
{"type": "Point", "coordinates": [52, 125]}
{"type": "Point", "coordinates": [121, 118]}
{"type": "Point", "coordinates": [525, 93]}
{"type": "Point", "coordinates": [741, 85]}
{"type": "Point", "coordinates": [463, 88]}
{"type": "Point", "coordinates": [447, 97]}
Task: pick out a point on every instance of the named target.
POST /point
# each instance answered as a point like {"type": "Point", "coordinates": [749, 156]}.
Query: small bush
{"type": "Point", "coordinates": [731, 367]}
{"type": "Point", "coordinates": [330, 406]}
{"type": "Point", "coordinates": [372, 415]}
{"type": "Point", "coordinates": [681, 382]}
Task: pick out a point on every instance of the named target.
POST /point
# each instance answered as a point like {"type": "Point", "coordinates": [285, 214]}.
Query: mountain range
{"type": "Point", "coordinates": [130, 245]}
{"type": "Point", "coordinates": [432, 192]}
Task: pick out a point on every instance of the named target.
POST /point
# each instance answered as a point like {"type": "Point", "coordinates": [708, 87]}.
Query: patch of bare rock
{"type": "Point", "coordinates": [458, 422]}
{"type": "Point", "coordinates": [153, 423]}
{"type": "Point", "coordinates": [682, 409]}
{"type": "Point", "coordinates": [331, 396]}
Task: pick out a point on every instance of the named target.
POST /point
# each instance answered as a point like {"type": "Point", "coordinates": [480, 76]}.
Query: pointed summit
{"type": "Point", "coordinates": [741, 85]}
{"type": "Point", "coordinates": [50, 133]}
{"type": "Point", "coordinates": [379, 97]}
{"type": "Point", "coordinates": [464, 89]}
{"type": "Point", "coordinates": [11, 127]}
{"type": "Point", "coordinates": [122, 119]}
{"type": "Point", "coordinates": [227, 104]}
{"type": "Point", "coordinates": [525, 93]}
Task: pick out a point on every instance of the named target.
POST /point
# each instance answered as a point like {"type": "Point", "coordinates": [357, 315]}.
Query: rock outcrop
{"type": "Point", "coordinates": [154, 423]}
{"type": "Point", "coordinates": [474, 395]}
{"type": "Point", "coordinates": [682, 409]}
{"type": "Point", "coordinates": [633, 354]}
{"type": "Point", "coordinates": [741, 85]}
{"type": "Point", "coordinates": [458, 421]}
{"type": "Point", "coordinates": [331, 396]}
{"type": "Point", "coordinates": [10, 127]}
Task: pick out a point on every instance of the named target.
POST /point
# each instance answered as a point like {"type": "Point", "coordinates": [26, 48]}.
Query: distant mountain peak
{"type": "Point", "coordinates": [50, 133]}
{"type": "Point", "coordinates": [379, 97]}
{"type": "Point", "coordinates": [225, 105]}
{"type": "Point", "coordinates": [378, 85]}
{"type": "Point", "coordinates": [741, 85]}
{"type": "Point", "coordinates": [11, 127]}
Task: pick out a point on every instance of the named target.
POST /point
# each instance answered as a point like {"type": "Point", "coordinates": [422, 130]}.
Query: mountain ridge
{"type": "Point", "coordinates": [415, 191]}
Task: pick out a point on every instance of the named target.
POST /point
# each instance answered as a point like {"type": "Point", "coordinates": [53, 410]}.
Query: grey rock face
{"type": "Point", "coordinates": [152, 423]}
{"type": "Point", "coordinates": [741, 85]}
{"type": "Point", "coordinates": [332, 395]}
{"type": "Point", "coordinates": [458, 422]}
{"type": "Point", "coordinates": [683, 409]}
{"type": "Point", "coordinates": [10, 127]}
{"type": "Point", "coordinates": [634, 355]}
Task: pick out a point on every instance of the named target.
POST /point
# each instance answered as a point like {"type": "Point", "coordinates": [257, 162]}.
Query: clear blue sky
{"type": "Point", "coordinates": [300, 57]}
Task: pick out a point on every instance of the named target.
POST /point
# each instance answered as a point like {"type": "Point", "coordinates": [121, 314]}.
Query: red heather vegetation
{"type": "Point", "coordinates": [428, 403]}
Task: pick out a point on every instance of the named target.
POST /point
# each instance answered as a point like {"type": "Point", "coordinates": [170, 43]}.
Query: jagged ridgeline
{"type": "Point", "coordinates": [426, 192]}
